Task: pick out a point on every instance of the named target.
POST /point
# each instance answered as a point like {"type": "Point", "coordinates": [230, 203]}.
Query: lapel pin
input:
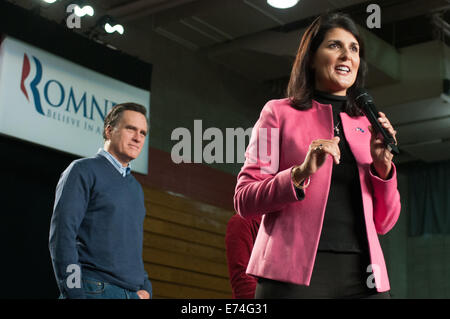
{"type": "Point", "coordinates": [360, 129]}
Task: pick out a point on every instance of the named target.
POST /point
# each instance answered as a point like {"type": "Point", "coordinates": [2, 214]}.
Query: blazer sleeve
{"type": "Point", "coordinates": [261, 187]}
{"type": "Point", "coordinates": [386, 201]}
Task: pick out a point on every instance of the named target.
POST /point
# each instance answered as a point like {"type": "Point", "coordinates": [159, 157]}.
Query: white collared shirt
{"type": "Point", "coordinates": [124, 171]}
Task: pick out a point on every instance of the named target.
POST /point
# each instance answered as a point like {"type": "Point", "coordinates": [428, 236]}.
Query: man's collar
{"type": "Point", "coordinates": [122, 170]}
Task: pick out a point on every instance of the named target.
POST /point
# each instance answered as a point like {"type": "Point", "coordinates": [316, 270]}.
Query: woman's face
{"type": "Point", "coordinates": [336, 62]}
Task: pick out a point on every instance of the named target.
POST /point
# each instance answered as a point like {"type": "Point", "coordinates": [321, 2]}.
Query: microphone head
{"type": "Point", "coordinates": [365, 102]}
{"type": "Point", "coordinates": [362, 98]}
{"type": "Point", "coordinates": [361, 95]}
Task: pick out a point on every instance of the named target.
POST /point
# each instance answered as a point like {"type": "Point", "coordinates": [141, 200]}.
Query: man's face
{"type": "Point", "coordinates": [126, 139]}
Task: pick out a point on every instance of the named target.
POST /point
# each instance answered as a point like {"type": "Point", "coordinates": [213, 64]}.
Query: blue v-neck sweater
{"type": "Point", "coordinates": [97, 224]}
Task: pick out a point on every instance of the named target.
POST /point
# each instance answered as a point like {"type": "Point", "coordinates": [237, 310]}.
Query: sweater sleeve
{"type": "Point", "coordinates": [261, 187]}
{"type": "Point", "coordinates": [239, 245]}
{"type": "Point", "coordinates": [71, 201]}
{"type": "Point", "coordinates": [147, 285]}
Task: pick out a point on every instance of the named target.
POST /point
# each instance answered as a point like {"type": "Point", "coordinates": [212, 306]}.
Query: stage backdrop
{"type": "Point", "coordinates": [51, 101]}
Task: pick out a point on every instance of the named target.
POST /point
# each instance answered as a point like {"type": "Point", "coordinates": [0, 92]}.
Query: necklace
{"type": "Point", "coordinates": [336, 128]}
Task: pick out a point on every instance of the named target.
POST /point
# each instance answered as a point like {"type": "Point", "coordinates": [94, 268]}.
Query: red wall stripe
{"type": "Point", "coordinates": [196, 181]}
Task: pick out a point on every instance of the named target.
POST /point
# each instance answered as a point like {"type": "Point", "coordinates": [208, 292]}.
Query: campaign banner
{"type": "Point", "coordinates": [51, 101]}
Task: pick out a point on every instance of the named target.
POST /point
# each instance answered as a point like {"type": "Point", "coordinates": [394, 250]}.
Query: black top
{"type": "Point", "coordinates": [344, 227]}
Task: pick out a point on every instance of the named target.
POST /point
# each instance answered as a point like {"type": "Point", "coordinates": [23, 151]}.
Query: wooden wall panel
{"type": "Point", "coordinates": [189, 278]}
{"type": "Point", "coordinates": [178, 246]}
{"type": "Point", "coordinates": [188, 205]}
{"type": "Point", "coordinates": [174, 290]}
{"type": "Point", "coordinates": [184, 247]}
{"type": "Point", "coordinates": [162, 227]}
{"type": "Point", "coordinates": [183, 261]}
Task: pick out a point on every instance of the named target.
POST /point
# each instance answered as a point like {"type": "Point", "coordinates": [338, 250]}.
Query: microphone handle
{"type": "Point", "coordinates": [371, 113]}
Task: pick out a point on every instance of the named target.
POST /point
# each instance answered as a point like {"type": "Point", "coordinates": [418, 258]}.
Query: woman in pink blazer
{"type": "Point", "coordinates": [322, 180]}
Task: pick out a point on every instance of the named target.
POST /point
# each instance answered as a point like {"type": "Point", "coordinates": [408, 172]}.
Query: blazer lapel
{"type": "Point", "coordinates": [356, 130]}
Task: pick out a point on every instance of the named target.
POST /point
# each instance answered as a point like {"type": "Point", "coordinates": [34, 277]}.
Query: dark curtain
{"type": "Point", "coordinates": [429, 198]}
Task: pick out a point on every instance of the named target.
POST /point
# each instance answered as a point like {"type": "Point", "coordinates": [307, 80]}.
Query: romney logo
{"type": "Point", "coordinates": [26, 69]}
{"type": "Point", "coordinates": [50, 95]}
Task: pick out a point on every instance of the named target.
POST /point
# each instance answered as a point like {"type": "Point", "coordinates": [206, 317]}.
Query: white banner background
{"type": "Point", "coordinates": [67, 118]}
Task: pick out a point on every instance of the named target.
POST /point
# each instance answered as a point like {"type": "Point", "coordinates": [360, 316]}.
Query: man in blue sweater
{"type": "Point", "coordinates": [96, 231]}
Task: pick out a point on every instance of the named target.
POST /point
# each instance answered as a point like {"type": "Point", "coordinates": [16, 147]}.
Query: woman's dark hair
{"type": "Point", "coordinates": [300, 89]}
{"type": "Point", "coordinates": [115, 114]}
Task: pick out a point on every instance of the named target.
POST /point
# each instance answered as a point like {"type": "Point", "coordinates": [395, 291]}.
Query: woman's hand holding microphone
{"type": "Point", "coordinates": [382, 158]}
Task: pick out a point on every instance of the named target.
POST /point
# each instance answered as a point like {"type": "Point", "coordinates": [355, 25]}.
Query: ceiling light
{"type": "Point", "coordinates": [50, 1]}
{"type": "Point", "coordinates": [282, 4]}
{"type": "Point", "coordinates": [85, 10]}
{"type": "Point", "coordinates": [109, 24]}
{"type": "Point", "coordinates": [113, 28]}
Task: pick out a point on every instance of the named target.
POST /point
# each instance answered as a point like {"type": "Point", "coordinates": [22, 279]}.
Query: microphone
{"type": "Point", "coordinates": [365, 102]}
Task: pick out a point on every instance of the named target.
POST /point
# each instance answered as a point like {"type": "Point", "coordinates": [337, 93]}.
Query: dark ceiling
{"type": "Point", "coordinates": [259, 43]}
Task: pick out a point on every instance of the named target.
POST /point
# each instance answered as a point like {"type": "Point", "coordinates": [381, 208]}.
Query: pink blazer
{"type": "Point", "coordinates": [286, 244]}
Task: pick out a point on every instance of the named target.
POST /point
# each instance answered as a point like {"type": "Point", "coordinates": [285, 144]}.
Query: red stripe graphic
{"type": "Point", "coordinates": [25, 73]}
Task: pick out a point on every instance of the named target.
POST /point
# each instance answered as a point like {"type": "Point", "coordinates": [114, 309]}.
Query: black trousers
{"type": "Point", "coordinates": [335, 276]}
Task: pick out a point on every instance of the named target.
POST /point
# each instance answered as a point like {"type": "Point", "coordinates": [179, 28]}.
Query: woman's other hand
{"type": "Point", "coordinates": [316, 156]}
